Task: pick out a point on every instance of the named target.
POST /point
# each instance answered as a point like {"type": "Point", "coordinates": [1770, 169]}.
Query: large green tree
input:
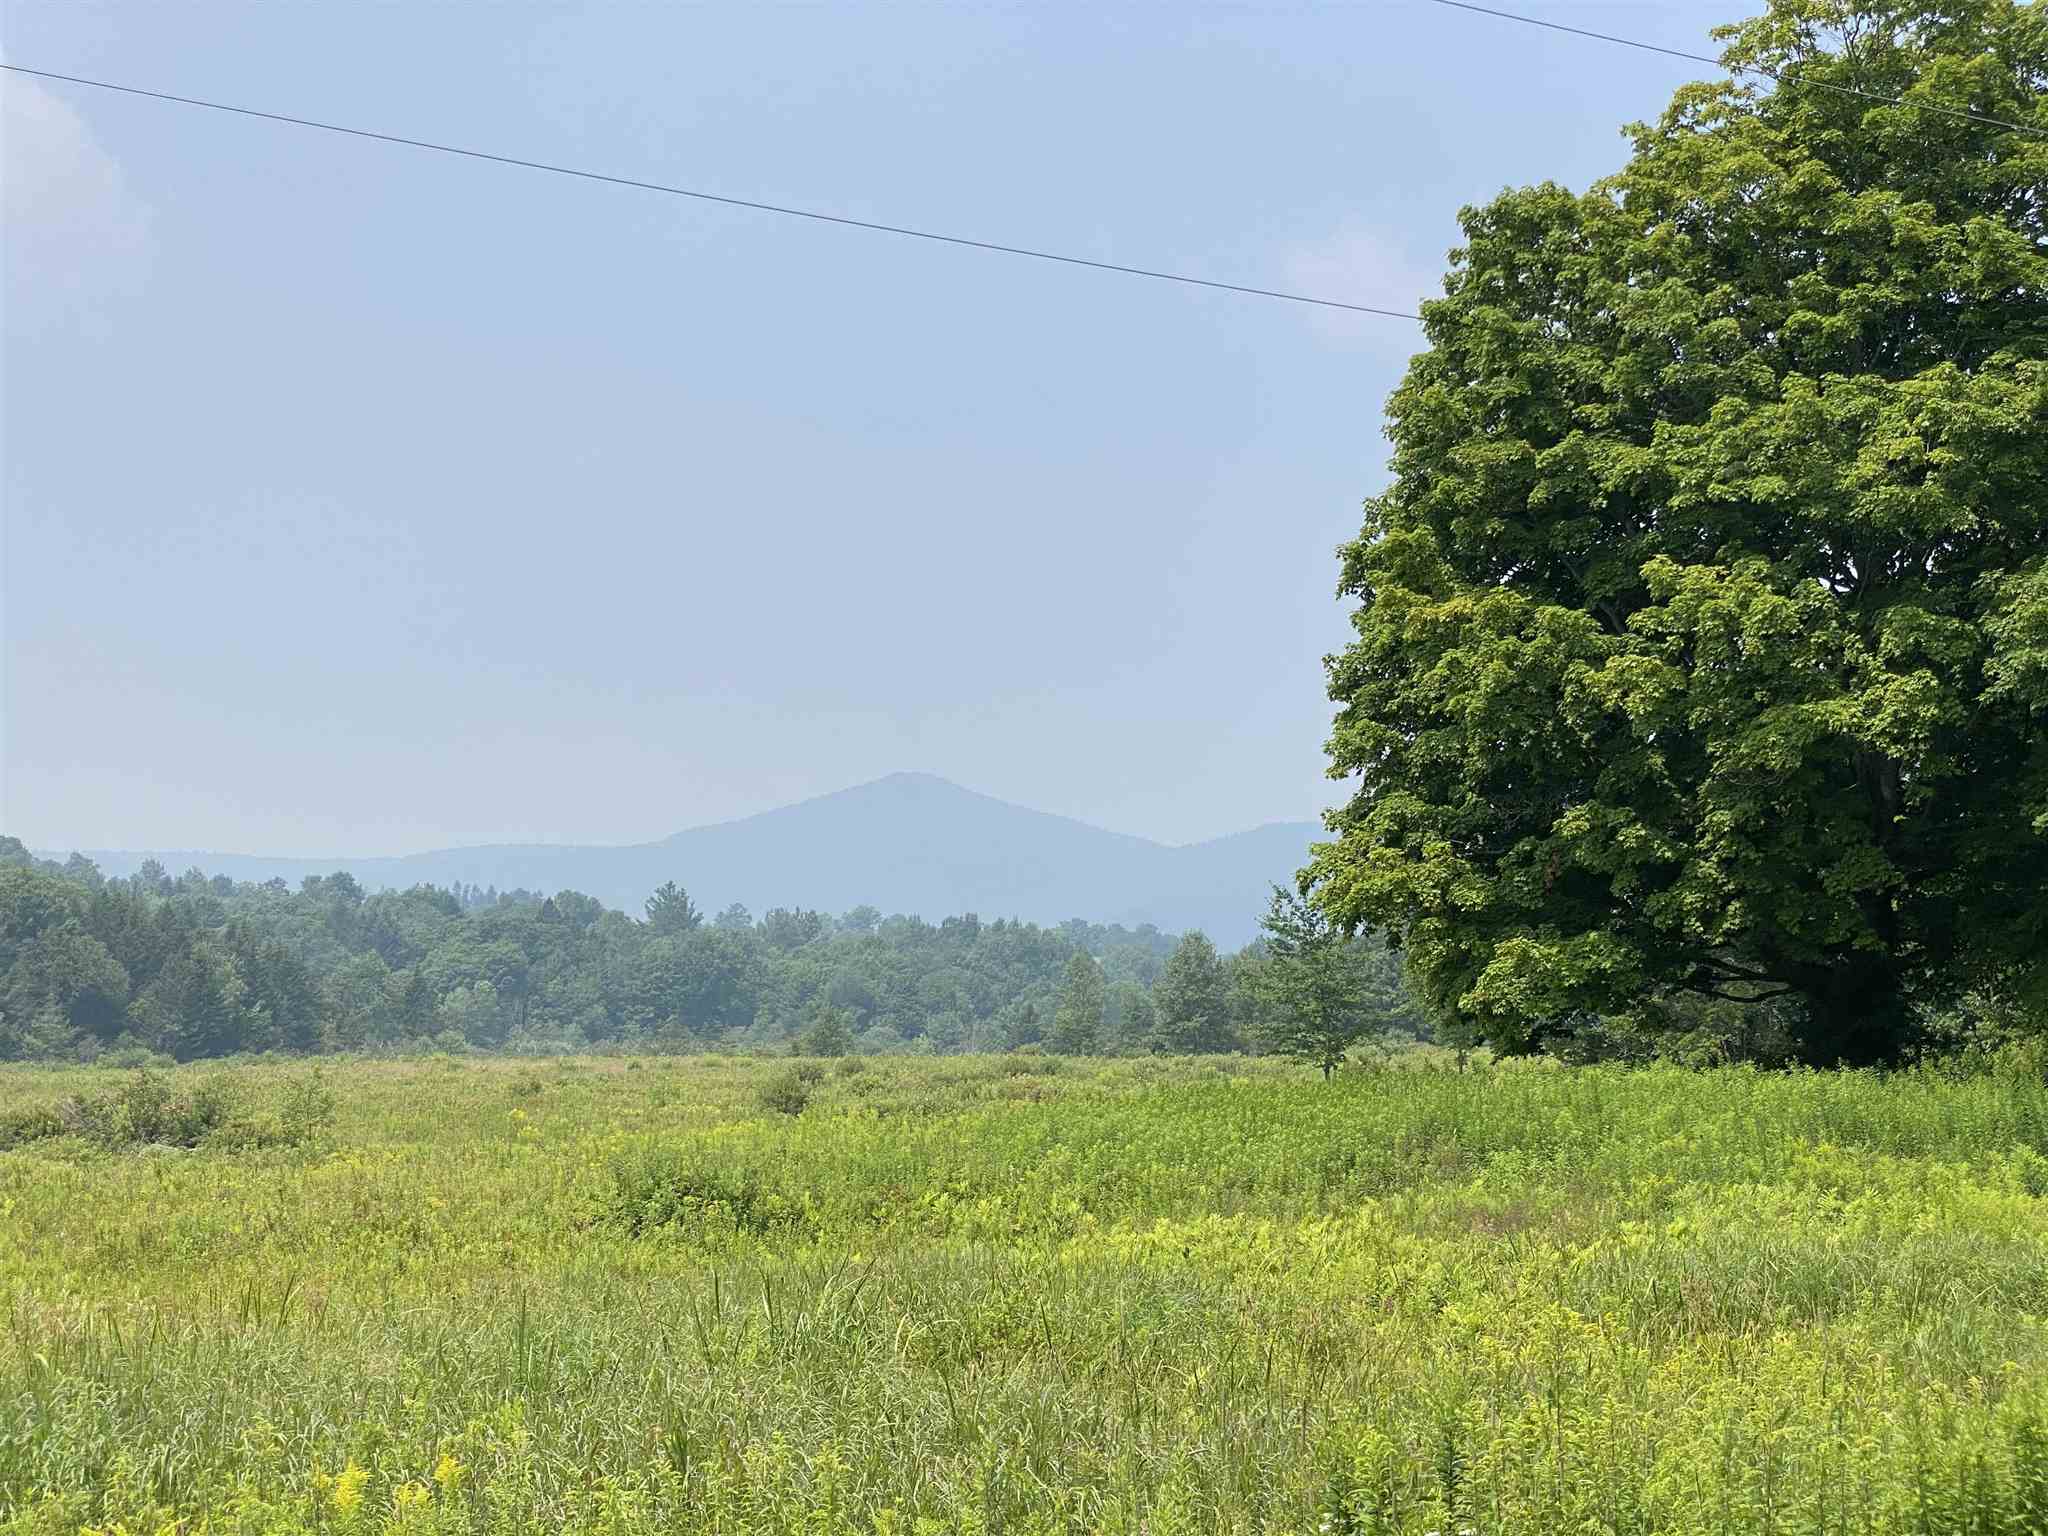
{"type": "Point", "coordinates": [1703, 639]}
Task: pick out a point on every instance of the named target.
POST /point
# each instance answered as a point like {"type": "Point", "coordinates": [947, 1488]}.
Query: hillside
{"type": "Point", "coordinates": [910, 842]}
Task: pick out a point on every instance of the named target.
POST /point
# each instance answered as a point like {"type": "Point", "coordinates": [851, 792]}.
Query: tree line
{"type": "Point", "coordinates": [197, 966]}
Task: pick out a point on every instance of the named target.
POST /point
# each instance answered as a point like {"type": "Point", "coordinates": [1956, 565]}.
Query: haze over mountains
{"type": "Point", "coordinates": [911, 842]}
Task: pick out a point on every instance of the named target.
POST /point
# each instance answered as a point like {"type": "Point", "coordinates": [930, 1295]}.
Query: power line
{"type": "Point", "coordinates": [937, 237]}
{"type": "Point", "coordinates": [1783, 77]}
{"type": "Point", "coordinates": [713, 197]}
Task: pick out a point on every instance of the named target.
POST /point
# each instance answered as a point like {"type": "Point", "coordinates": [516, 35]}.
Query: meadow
{"type": "Point", "coordinates": [1025, 1294]}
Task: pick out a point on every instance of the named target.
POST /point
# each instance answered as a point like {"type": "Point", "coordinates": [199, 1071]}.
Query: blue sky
{"type": "Point", "coordinates": [365, 500]}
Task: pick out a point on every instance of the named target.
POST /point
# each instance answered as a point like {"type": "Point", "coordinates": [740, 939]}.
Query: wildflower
{"type": "Point", "coordinates": [348, 1487]}
{"type": "Point", "coordinates": [448, 1473]}
{"type": "Point", "coordinates": [407, 1497]}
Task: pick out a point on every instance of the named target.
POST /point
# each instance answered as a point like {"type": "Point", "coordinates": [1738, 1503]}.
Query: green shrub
{"type": "Point", "coordinates": [128, 1053]}
{"type": "Point", "coordinates": [38, 1122]}
{"type": "Point", "coordinates": [667, 1188]}
{"type": "Point", "coordinates": [148, 1111]}
{"type": "Point", "coordinates": [789, 1092]}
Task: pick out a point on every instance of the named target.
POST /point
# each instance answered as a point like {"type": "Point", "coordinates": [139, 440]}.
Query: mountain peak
{"type": "Point", "coordinates": [912, 778]}
{"type": "Point", "coordinates": [906, 842]}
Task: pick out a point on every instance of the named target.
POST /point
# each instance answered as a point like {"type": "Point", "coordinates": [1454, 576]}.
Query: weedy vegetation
{"type": "Point", "coordinates": [1022, 1294]}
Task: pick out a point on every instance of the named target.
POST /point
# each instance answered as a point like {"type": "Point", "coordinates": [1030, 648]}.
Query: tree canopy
{"type": "Point", "coordinates": [1702, 644]}
{"type": "Point", "coordinates": [198, 966]}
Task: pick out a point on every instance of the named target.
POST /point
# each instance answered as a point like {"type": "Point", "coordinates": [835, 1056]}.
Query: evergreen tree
{"type": "Point", "coordinates": [1191, 1004]}
{"type": "Point", "coordinates": [670, 910]}
{"type": "Point", "coordinates": [1077, 1020]}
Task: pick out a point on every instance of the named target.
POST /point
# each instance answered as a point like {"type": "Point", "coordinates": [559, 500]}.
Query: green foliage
{"type": "Point", "coordinates": [32, 1122]}
{"type": "Point", "coordinates": [1690, 1030]}
{"type": "Point", "coordinates": [789, 930]}
{"type": "Point", "coordinates": [658, 1190]}
{"type": "Point", "coordinates": [1020, 1026]}
{"type": "Point", "coordinates": [92, 969]}
{"type": "Point", "coordinates": [1077, 1021]}
{"type": "Point", "coordinates": [965, 1294]}
{"type": "Point", "coordinates": [146, 1111]}
{"type": "Point", "coordinates": [1703, 643]}
{"type": "Point", "coordinates": [64, 973]}
{"type": "Point", "coordinates": [670, 910]}
{"type": "Point", "coordinates": [150, 1110]}
{"type": "Point", "coordinates": [1191, 1003]}
{"type": "Point", "coordinates": [1133, 1019]}
{"type": "Point", "coordinates": [830, 1033]}
{"type": "Point", "coordinates": [307, 1110]}
{"type": "Point", "coordinates": [788, 1092]}
{"type": "Point", "coordinates": [1317, 994]}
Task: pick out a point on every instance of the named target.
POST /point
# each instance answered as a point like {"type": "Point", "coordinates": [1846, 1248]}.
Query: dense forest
{"type": "Point", "coordinates": [195, 966]}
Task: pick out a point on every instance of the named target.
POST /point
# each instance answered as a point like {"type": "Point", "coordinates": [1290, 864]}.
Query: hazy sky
{"type": "Point", "coordinates": [364, 500]}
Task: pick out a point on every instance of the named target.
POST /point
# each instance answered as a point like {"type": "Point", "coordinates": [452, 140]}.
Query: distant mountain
{"type": "Point", "coordinates": [910, 842]}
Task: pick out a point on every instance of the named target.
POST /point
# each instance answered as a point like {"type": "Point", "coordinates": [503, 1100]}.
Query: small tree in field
{"type": "Point", "coordinates": [1313, 986]}
{"type": "Point", "coordinates": [1191, 1003]}
{"type": "Point", "coordinates": [1077, 1021]}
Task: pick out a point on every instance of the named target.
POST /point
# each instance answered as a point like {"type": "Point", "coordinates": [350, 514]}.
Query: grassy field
{"type": "Point", "coordinates": [1025, 1295]}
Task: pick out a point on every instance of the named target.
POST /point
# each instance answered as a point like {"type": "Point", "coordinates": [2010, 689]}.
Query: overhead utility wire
{"type": "Point", "coordinates": [1783, 77]}
{"type": "Point", "coordinates": [713, 197]}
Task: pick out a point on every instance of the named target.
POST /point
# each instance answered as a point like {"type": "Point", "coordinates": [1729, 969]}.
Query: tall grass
{"type": "Point", "coordinates": [1036, 1295]}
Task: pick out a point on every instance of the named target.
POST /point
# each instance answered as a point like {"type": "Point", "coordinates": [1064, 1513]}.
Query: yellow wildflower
{"type": "Point", "coordinates": [407, 1497]}
{"type": "Point", "coordinates": [348, 1487]}
{"type": "Point", "coordinates": [448, 1473]}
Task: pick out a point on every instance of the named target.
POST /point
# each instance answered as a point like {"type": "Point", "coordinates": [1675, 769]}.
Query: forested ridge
{"type": "Point", "coordinates": [196, 966]}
